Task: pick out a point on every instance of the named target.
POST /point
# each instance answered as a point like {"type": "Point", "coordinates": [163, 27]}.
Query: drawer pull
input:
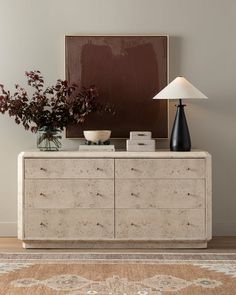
{"type": "Point", "coordinates": [43, 224]}
{"type": "Point", "coordinates": [98, 194]}
{"type": "Point", "coordinates": [134, 195]}
{"type": "Point", "coordinates": [188, 169]}
{"type": "Point", "coordinates": [99, 224]}
{"type": "Point", "coordinates": [188, 194]}
{"type": "Point", "coordinates": [99, 169]}
{"type": "Point", "coordinates": [141, 143]}
{"type": "Point", "coordinates": [188, 223]}
{"type": "Point", "coordinates": [42, 194]}
{"type": "Point", "coordinates": [43, 169]}
{"type": "Point", "coordinates": [133, 224]}
{"type": "Point", "coordinates": [141, 134]}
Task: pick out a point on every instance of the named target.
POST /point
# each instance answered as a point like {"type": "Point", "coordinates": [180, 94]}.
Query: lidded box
{"type": "Point", "coordinates": [142, 135]}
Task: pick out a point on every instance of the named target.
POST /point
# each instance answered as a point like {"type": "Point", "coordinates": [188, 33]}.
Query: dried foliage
{"type": "Point", "coordinates": [55, 106]}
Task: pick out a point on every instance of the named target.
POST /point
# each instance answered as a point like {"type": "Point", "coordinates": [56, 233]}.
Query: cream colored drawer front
{"type": "Point", "coordinates": [160, 168]}
{"type": "Point", "coordinates": [158, 224]}
{"type": "Point", "coordinates": [71, 224]}
{"type": "Point", "coordinates": [69, 168]}
{"type": "Point", "coordinates": [69, 193]}
{"type": "Point", "coordinates": [160, 193]}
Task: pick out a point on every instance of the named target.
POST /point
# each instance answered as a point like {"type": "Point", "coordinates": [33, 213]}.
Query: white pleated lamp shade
{"type": "Point", "coordinates": [179, 88]}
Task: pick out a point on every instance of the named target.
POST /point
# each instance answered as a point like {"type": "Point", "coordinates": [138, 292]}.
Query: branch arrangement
{"type": "Point", "coordinates": [53, 107]}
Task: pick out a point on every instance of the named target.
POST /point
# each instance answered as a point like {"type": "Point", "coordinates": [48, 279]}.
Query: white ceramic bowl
{"type": "Point", "coordinates": [97, 135]}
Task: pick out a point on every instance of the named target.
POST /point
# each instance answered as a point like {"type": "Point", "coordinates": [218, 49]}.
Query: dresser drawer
{"type": "Point", "coordinates": [71, 224]}
{"type": "Point", "coordinates": [160, 193]}
{"type": "Point", "coordinates": [160, 224]}
{"type": "Point", "coordinates": [160, 168]}
{"type": "Point", "coordinates": [69, 193]}
{"type": "Point", "coordinates": [69, 168]}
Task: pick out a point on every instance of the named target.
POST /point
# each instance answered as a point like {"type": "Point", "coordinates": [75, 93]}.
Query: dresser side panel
{"type": "Point", "coordinates": [209, 197]}
{"type": "Point", "coordinates": [20, 197]}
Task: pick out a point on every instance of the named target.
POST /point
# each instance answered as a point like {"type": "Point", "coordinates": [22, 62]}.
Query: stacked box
{"type": "Point", "coordinates": [140, 135]}
{"type": "Point", "coordinates": [140, 141]}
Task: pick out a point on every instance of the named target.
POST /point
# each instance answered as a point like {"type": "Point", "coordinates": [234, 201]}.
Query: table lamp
{"type": "Point", "coordinates": [180, 89]}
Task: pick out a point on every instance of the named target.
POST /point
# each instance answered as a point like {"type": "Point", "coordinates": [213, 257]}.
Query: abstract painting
{"type": "Point", "coordinates": [127, 71]}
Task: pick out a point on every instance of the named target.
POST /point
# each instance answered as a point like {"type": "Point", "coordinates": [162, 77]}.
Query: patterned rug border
{"type": "Point", "coordinates": [118, 261]}
{"type": "Point", "coordinates": [117, 256]}
{"type": "Point", "coordinates": [27, 252]}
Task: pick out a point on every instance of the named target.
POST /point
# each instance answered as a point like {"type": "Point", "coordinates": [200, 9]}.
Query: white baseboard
{"type": "Point", "coordinates": [8, 229]}
{"type": "Point", "coordinates": [224, 229]}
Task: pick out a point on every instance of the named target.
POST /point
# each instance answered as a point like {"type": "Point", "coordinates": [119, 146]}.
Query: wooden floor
{"type": "Point", "coordinates": [218, 244]}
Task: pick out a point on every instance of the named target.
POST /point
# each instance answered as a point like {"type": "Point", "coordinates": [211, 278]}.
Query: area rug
{"type": "Point", "coordinates": [117, 274]}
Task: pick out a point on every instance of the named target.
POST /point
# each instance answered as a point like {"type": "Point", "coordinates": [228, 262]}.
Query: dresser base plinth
{"type": "Point", "coordinates": [113, 244]}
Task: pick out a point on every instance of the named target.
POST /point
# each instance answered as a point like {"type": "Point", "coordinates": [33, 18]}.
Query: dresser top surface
{"type": "Point", "coordinates": [116, 154]}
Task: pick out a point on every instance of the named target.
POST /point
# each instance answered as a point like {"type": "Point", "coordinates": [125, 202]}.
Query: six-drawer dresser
{"type": "Point", "coordinates": [114, 199]}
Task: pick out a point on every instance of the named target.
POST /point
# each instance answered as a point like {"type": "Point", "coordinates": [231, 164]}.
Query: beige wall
{"type": "Point", "coordinates": [202, 48]}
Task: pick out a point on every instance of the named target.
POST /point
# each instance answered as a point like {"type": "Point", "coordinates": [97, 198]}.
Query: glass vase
{"type": "Point", "coordinates": [48, 139]}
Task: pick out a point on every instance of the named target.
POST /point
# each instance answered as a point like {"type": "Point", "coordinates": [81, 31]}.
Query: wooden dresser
{"type": "Point", "coordinates": [114, 199]}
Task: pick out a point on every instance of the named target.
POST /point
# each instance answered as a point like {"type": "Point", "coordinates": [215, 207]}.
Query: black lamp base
{"type": "Point", "coordinates": [180, 138]}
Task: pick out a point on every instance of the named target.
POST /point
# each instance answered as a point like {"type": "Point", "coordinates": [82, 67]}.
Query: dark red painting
{"type": "Point", "coordinates": [128, 71]}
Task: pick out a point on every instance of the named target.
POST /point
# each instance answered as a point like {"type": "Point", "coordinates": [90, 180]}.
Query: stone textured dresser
{"type": "Point", "coordinates": [114, 199]}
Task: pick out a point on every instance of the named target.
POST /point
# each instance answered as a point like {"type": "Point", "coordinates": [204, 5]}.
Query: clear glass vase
{"type": "Point", "coordinates": [48, 139]}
